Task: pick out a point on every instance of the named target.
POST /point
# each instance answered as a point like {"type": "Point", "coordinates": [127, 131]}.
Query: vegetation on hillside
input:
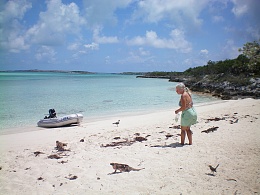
{"type": "Point", "coordinates": [245, 65]}
{"type": "Point", "coordinates": [227, 79]}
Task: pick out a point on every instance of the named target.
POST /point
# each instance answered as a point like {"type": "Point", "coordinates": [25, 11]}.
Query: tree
{"type": "Point", "coordinates": [252, 51]}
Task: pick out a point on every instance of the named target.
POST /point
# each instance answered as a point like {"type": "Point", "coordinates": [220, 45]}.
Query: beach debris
{"type": "Point", "coordinates": [28, 168]}
{"type": "Point", "coordinates": [126, 142]}
{"type": "Point", "coordinates": [176, 127]}
{"type": "Point", "coordinates": [168, 136]}
{"type": "Point", "coordinates": [231, 179]}
{"type": "Point", "coordinates": [235, 121]}
{"type": "Point", "coordinates": [37, 153]}
{"type": "Point", "coordinates": [0, 168]}
{"type": "Point", "coordinates": [123, 167]}
{"type": "Point", "coordinates": [137, 134]}
{"type": "Point", "coordinates": [140, 139]}
{"type": "Point", "coordinates": [71, 177]}
{"type": "Point", "coordinates": [62, 162]}
{"type": "Point", "coordinates": [212, 129]}
{"type": "Point", "coordinates": [54, 156]}
{"type": "Point", "coordinates": [82, 140]}
{"type": "Point", "coordinates": [213, 169]}
{"type": "Point", "coordinates": [232, 119]}
{"type": "Point", "coordinates": [116, 138]}
{"type": "Point", "coordinates": [40, 178]}
{"type": "Point", "coordinates": [116, 123]}
{"type": "Point", "coordinates": [60, 146]}
{"type": "Point", "coordinates": [215, 119]}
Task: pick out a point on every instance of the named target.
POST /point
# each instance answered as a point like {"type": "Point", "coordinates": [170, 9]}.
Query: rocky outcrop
{"type": "Point", "coordinates": [223, 89]}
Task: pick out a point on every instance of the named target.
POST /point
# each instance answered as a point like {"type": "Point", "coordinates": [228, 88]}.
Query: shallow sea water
{"type": "Point", "coordinates": [26, 97]}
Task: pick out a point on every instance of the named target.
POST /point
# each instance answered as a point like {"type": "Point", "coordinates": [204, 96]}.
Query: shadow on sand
{"type": "Point", "coordinates": [113, 173]}
{"type": "Point", "coordinates": [172, 145]}
{"type": "Point", "coordinates": [210, 174]}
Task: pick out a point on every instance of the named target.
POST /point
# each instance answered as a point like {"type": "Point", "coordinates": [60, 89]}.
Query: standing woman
{"type": "Point", "coordinates": [189, 115]}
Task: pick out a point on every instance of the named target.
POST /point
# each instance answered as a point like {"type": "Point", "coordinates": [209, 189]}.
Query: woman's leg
{"type": "Point", "coordinates": [183, 134]}
{"type": "Point", "coordinates": [189, 135]}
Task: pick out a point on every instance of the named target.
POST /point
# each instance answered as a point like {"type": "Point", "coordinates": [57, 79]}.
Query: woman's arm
{"type": "Point", "coordinates": [183, 104]}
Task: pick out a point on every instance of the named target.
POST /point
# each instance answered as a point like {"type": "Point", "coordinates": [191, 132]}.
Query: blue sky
{"type": "Point", "coordinates": [123, 35]}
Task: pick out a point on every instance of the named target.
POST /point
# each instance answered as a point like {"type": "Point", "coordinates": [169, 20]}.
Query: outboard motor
{"type": "Point", "coordinates": [52, 114]}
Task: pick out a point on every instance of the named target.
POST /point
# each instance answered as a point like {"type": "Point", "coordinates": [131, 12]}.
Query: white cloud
{"type": "Point", "coordinates": [248, 7]}
{"type": "Point", "coordinates": [103, 39]}
{"type": "Point", "coordinates": [254, 33]}
{"type": "Point", "coordinates": [11, 31]}
{"type": "Point", "coordinates": [45, 53]}
{"type": "Point", "coordinates": [92, 46]}
{"type": "Point", "coordinates": [100, 12]}
{"type": "Point", "coordinates": [218, 19]}
{"type": "Point", "coordinates": [73, 46]}
{"type": "Point", "coordinates": [177, 41]}
{"type": "Point", "coordinates": [181, 12]}
{"type": "Point", "coordinates": [58, 21]}
{"type": "Point", "coordinates": [107, 59]}
{"type": "Point", "coordinates": [194, 62]}
{"type": "Point", "coordinates": [82, 49]}
{"type": "Point", "coordinates": [229, 50]}
{"type": "Point", "coordinates": [250, 33]}
{"type": "Point", "coordinates": [14, 10]}
{"type": "Point", "coordinates": [204, 52]}
{"type": "Point", "coordinates": [143, 52]}
{"type": "Point", "coordinates": [240, 7]}
{"type": "Point", "coordinates": [134, 57]}
{"type": "Point", "coordinates": [15, 43]}
{"type": "Point", "coordinates": [201, 59]}
{"type": "Point", "coordinates": [78, 53]}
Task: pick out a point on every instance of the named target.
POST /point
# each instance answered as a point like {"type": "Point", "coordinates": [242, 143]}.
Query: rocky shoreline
{"type": "Point", "coordinates": [221, 89]}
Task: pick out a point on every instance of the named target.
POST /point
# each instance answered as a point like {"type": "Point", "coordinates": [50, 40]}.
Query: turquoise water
{"type": "Point", "coordinates": [25, 97]}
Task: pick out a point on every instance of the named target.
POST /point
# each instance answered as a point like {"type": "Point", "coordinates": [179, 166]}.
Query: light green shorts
{"type": "Point", "coordinates": [188, 117]}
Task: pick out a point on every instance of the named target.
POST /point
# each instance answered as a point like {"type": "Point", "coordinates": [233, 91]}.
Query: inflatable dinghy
{"type": "Point", "coordinates": [62, 121]}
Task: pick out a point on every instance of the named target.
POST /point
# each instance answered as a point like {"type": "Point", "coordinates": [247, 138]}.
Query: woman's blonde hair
{"type": "Point", "coordinates": [182, 86]}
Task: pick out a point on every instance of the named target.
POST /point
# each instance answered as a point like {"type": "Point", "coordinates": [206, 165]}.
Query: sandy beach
{"type": "Point", "coordinates": [227, 133]}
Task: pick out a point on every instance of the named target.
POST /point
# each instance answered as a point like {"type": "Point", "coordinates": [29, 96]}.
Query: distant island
{"type": "Point", "coordinates": [58, 71]}
{"type": "Point", "coordinates": [133, 73]}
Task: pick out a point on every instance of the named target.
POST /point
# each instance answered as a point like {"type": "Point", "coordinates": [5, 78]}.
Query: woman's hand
{"type": "Point", "coordinates": [177, 111]}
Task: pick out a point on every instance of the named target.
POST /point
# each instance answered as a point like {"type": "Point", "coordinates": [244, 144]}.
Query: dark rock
{"type": "Point", "coordinates": [226, 97]}
{"type": "Point", "coordinates": [224, 90]}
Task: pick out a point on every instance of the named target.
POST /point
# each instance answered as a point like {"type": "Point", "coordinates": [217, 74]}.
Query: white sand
{"type": "Point", "coordinates": [169, 168]}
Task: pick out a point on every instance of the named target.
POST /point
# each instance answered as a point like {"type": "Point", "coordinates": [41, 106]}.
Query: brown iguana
{"type": "Point", "coordinates": [123, 167]}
